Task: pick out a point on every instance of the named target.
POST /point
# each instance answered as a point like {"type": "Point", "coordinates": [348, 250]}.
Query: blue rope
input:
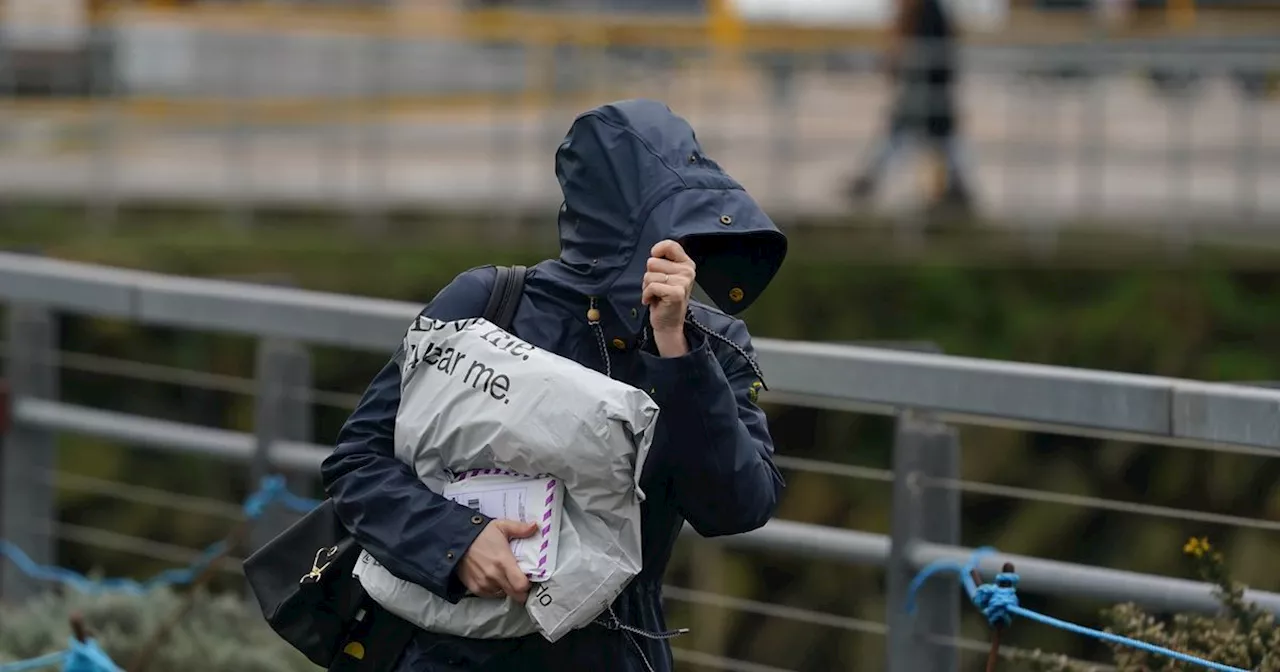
{"type": "Point", "coordinates": [88, 656]}
{"type": "Point", "coordinates": [273, 489]}
{"type": "Point", "coordinates": [35, 663]}
{"type": "Point", "coordinates": [79, 656]}
{"type": "Point", "coordinates": [998, 603]}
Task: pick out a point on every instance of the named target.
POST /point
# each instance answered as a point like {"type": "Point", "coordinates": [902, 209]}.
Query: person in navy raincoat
{"type": "Point", "coordinates": [645, 215]}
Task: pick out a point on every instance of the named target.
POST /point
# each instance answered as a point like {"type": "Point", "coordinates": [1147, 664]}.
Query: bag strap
{"type": "Point", "coordinates": [505, 298]}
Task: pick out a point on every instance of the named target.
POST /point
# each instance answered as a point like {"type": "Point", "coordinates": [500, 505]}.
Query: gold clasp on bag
{"type": "Point", "coordinates": [316, 568]}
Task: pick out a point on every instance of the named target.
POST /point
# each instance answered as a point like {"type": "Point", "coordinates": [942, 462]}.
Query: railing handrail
{"type": "Point", "coordinates": [925, 519]}
{"type": "Point", "coordinates": [977, 391]}
{"type": "Point", "coordinates": [800, 539]}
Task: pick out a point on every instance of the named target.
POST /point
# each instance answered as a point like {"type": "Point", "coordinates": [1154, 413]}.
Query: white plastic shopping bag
{"type": "Point", "coordinates": [474, 397]}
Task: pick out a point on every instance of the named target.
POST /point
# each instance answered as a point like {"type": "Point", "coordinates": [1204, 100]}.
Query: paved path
{"type": "Point", "coordinates": [1041, 152]}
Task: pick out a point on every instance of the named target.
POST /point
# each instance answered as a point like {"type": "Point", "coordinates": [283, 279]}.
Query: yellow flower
{"type": "Point", "coordinates": [1197, 547]}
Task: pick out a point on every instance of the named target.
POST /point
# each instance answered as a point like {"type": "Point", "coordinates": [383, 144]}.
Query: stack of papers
{"type": "Point", "coordinates": [507, 495]}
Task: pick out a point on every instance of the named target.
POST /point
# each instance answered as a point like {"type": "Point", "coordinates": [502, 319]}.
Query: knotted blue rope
{"type": "Point", "coordinates": [79, 656]}
{"type": "Point", "coordinates": [998, 603]}
{"type": "Point", "coordinates": [35, 663]}
{"type": "Point", "coordinates": [87, 656]}
{"type": "Point", "coordinates": [272, 489]}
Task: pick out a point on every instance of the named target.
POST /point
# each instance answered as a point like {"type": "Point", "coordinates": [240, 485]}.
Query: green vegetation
{"type": "Point", "coordinates": [1241, 635]}
{"type": "Point", "coordinates": [1211, 314]}
{"type": "Point", "coordinates": [219, 633]}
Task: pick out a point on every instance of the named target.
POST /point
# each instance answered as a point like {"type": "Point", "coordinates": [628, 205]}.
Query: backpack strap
{"type": "Point", "coordinates": [505, 298]}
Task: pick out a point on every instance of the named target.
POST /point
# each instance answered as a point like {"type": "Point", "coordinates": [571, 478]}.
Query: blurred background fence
{"type": "Point", "coordinates": [920, 390]}
{"type": "Point", "coordinates": [1164, 119]}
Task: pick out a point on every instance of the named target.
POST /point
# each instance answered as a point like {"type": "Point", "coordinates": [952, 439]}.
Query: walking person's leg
{"type": "Point", "coordinates": [949, 147]}
{"type": "Point", "coordinates": [889, 146]}
{"type": "Point", "coordinates": [955, 155]}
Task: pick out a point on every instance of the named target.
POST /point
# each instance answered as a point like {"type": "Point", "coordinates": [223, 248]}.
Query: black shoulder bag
{"type": "Point", "coordinates": [302, 578]}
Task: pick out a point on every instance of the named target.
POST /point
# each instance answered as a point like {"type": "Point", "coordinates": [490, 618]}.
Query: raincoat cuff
{"type": "Point", "coordinates": [689, 373]}
{"type": "Point", "coordinates": [459, 543]}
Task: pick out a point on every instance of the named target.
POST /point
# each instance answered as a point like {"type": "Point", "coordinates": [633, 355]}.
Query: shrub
{"type": "Point", "coordinates": [221, 633]}
{"type": "Point", "coordinates": [1241, 634]}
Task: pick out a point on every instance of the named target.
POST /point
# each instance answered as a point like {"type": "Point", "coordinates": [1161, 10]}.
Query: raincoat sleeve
{"type": "Point", "coordinates": [715, 443]}
{"type": "Point", "coordinates": [418, 535]}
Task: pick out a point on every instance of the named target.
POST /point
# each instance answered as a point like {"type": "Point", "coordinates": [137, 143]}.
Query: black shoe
{"type": "Point", "coordinates": [860, 190]}
{"type": "Point", "coordinates": [958, 199]}
{"type": "Point", "coordinates": [953, 209]}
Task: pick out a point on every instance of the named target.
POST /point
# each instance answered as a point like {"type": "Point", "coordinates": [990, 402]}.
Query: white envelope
{"type": "Point", "coordinates": [502, 494]}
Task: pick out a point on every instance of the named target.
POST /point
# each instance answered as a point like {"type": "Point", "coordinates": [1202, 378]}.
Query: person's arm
{"type": "Point", "coordinates": [717, 448]}
{"type": "Point", "coordinates": [418, 535]}
{"type": "Point", "coordinates": [415, 533]}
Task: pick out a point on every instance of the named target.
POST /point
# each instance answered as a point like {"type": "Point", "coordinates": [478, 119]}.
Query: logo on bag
{"type": "Point", "coordinates": [543, 595]}
{"type": "Point", "coordinates": [324, 555]}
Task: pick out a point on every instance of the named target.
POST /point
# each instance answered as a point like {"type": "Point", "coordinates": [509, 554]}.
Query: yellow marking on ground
{"type": "Point", "coordinates": [1025, 25]}
{"type": "Point", "coordinates": [442, 107]}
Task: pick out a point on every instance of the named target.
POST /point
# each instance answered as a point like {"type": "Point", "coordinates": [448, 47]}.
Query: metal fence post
{"type": "Point", "coordinates": [282, 411]}
{"type": "Point", "coordinates": [28, 455]}
{"type": "Point", "coordinates": [923, 447]}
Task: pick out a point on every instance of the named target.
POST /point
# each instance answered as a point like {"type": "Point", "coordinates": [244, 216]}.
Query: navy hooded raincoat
{"type": "Point", "coordinates": [632, 174]}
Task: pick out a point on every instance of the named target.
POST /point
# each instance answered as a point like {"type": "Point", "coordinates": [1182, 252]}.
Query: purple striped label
{"type": "Point", "coordinates": [546, 529]}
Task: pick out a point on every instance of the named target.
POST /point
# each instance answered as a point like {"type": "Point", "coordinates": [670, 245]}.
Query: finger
{"type": "Point", "coordinates": [472, 585]}
{"type": "Point", "coordinates": [659, 292]}
{"type": "Point", "coordinates": [513, 529]}
{"type": "Point", "coordinates": [483, 586]}
{"type": "Point", "coordinates": [655, 279]}
{"type": "Point", "coordinates": [670, 249]}
{"type": "Point", "coordinates": [501, 577]}
{"type": "Point", "coordinates": [660, 265]}
{"type": "Point", "coordinates": [666, 279]}
{"type": "Point", "coordinates": [519, 583]}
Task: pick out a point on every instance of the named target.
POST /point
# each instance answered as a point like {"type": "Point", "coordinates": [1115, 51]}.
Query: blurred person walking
{"type": "Point", "coordinates": [646, 214]}
{"type": "Point", "coordinates": [921, 66]}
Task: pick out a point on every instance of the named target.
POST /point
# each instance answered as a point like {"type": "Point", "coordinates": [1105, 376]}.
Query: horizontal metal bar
{"type": "Point", "coordinates": [1101, 503]}
{"type": "Point", "coordinates": [791, 538]}
{"type": "Point", "coordinates": [1153, 407]}
{"type": "Point", "coordinates": [704, 659]}
{"type": "Point", "coordinates": [1082, 581]}
{"type": "Point", "coordinates": [137, 546]}
{"type": "Point", "coordinates": [163, 434]}
{"type": "Point", "coordinates": [138, 494]}
{"type": "Point", "coordinates": [809, 541]}
{"type": "Point", "coordinates": [1040, 576]}
{"type": "Point", "coordinates": [833, 468]}
{"type": "Point", "coordinates": [216, 305]}
{"type": "Point", "coordinates": [772, 610]}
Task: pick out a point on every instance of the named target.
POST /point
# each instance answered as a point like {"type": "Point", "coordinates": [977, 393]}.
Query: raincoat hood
{"type": "Point", "coordinates": [633, 174]}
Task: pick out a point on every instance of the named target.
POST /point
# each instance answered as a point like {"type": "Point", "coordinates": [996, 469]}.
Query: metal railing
{"type": "Point", "coordinates": [378, 117]}
{"type": "Point", "coordinates": [922, 390]}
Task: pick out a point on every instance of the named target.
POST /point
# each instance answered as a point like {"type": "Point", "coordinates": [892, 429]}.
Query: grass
{"type": "Point", "coordinates": [202, 241]}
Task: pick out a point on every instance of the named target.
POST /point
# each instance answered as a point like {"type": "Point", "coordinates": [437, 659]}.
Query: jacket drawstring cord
{"type": "Point", "coordinates": [593, 319]}
{"type": "Point", "coordinates": [615, 623]}
{"type": "Point", "coordinates": [742, 352]}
